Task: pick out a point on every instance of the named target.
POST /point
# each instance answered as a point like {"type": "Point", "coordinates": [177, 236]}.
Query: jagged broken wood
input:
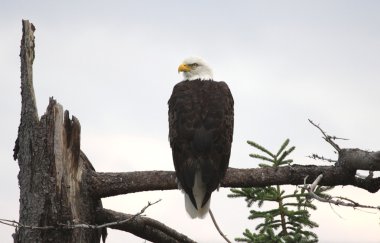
{"type": "Point", "coordinates": [58, 184]}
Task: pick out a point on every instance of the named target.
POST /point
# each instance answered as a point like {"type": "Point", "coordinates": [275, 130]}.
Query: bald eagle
{"type": "Point", "coordinates": [201, 120]}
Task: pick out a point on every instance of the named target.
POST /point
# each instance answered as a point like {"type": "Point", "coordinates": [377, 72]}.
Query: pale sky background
{"type": "Point", "coordinates": [113, 65]}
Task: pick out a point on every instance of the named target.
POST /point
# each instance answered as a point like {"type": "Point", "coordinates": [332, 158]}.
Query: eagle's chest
{"type": "Point", "coordinates": [200, 107]}
{"type": "Point", "coordinates": [200, 103]}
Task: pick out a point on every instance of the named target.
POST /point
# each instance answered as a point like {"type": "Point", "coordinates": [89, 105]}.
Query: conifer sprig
{"type": "Point", "coordinates": [288, 220]}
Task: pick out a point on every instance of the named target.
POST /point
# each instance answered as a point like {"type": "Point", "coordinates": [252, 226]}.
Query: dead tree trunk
{"type": "Point", "coordinates": [60, 192]}
{"type": "Point", "coordinates": [51, 166]}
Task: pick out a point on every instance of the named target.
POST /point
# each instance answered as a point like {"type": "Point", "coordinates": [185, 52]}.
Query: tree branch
{"type": "Point", "coordinates": [316, 156]}
{"type": "Point", "coordinates": [338, 201]}
{"type": "Point", "coordinates": [112, 184]}
{"type": "Point", "coordinates": [357, 159]}
{"type": "Point", "coordinates": [142, 227]}
{"type": "Point", "coordinates": [353, 159]}
{"type": "Point", "coordinates": [217, 226]}
{"type": "Point", "coordinates": [328, 138]}
{"type": "Point", "coordinates": [73, 225]}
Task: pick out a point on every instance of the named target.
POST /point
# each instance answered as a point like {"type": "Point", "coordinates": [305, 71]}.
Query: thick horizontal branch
{"type": "Point", "coordinates": [112, 184]}
{"type": "Point", "coordinates": [142, 227]}
{"type": "Point", "coordinates": [295, 175]}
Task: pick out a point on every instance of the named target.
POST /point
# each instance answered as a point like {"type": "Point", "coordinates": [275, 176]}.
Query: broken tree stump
{"type": "Point", "coordinates": [52, 167]}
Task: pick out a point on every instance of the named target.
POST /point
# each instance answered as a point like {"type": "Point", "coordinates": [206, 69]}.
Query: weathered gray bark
{"type": "Point", "coordinates": [59, 186]}
{"type": "Point", "coordinates": [357, 159]}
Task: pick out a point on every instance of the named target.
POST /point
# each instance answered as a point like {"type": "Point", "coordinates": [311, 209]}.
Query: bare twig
{"type": "Point", "coordinates": [328, 138]}
{"type": "Point", "coordinates": [338, 201]}
{"type": "Point", "coordinates": [128, 219]}
{"type": "Point", "coordinates": [217, 227]}
{"type": "Point", "coordinates": [333, 209]}
{"type": "Point", "coordinates": [315, 183]}
{"type": "Point", "coordinates": [16, 224]}
{"type": "Point", "coordinates": [316, 156]}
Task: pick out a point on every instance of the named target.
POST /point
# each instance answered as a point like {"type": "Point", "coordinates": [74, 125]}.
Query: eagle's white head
{"type": "Point", "coordinates": [195, 68]}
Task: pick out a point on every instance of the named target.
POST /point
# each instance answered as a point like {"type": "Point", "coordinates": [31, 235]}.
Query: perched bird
{"type": "Point", "coordinates": [201, 120]}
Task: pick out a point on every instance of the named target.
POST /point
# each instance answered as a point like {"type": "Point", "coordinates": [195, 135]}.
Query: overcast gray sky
{"type": "Point", "coordinates": [113, 65]}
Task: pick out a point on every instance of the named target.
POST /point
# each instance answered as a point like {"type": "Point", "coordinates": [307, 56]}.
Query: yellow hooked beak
{"type": "Point", "coordinates": [184, 68]}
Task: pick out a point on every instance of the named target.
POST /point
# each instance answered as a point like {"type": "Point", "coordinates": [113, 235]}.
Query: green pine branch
{"type": "Point", "coordinates": [288, 222]}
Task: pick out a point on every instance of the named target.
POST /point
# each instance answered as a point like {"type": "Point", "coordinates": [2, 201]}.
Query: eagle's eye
{"type": "Point", "coordinates": [194, 64]}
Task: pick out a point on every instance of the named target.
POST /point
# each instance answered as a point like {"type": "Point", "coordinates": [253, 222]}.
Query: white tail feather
{"type": "Point", "coordinates": [199, 191]}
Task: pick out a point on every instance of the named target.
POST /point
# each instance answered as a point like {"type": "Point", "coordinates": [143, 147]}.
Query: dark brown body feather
{"type": "Point", "coordinates": [201, 119]}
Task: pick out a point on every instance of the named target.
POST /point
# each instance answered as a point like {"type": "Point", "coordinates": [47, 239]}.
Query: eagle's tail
{"type": "Point", "coordinates": [199, 193]}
